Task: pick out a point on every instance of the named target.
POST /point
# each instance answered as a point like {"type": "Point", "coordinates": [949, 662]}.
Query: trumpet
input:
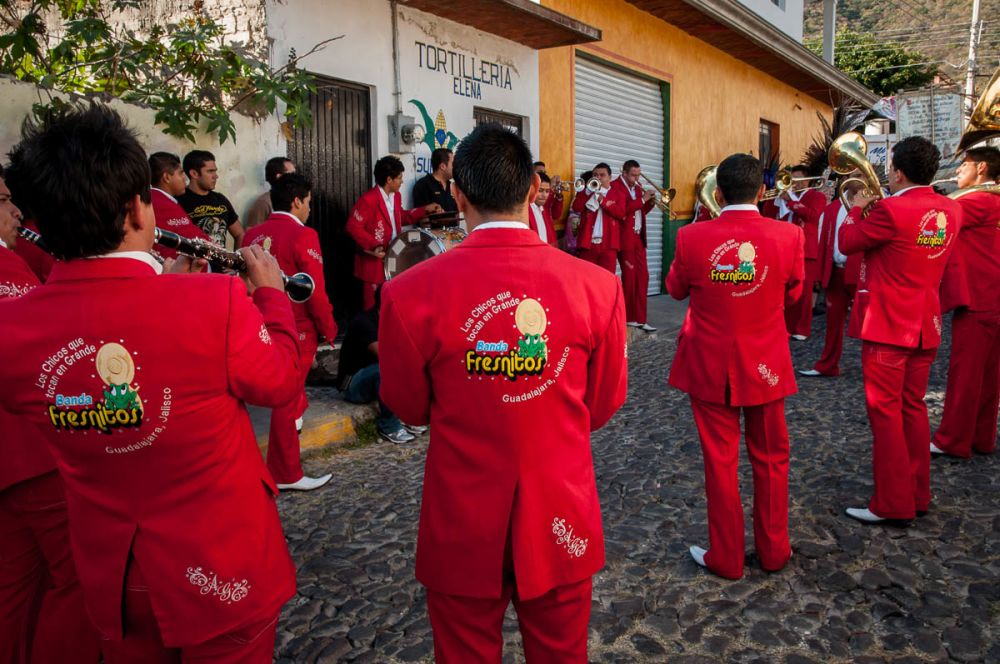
{"type": "Point", "coordinates": [663, 196]}
{"type": "Point", "coordinates": [784, 181]}
{"type": "Point", "coordinates": [849, 153]}
{"type": "Point", "coordinates": [565, 186]}
{"type": "Point", "coordinates": [593, 185]}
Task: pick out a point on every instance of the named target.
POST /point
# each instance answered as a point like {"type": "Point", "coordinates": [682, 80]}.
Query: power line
{"type": "Point", "coordinates": [914, 64]}
{"type": "Point", "coordinates": [937, 32]}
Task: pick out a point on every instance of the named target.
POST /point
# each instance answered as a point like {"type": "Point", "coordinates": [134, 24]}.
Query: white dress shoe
{"type": "Point", "coordinates": [633, 323]}
{"type": "Point", "coordinates": [698, 554]}
{"type": "Point", "coordinates": [863, 514]}
{"type": "Point", "coordinates": [936, 450]}
{"type": "Point", "coordinates": [306, 483]}
{"type": "Point", "coordinates": [298, 425]}
{"type": "Point", "coordinates": [799, 337]}
{"type": "Point", "coordinates": [809, 372]}
{"type": "Point", "coordinates": [646, 327]}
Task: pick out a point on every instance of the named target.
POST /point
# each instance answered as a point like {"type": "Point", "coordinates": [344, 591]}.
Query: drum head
{"type": "Point", "coordinates": [412, 246]}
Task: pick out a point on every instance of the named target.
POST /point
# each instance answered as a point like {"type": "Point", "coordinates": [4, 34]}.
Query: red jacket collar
{"type": "Point", "coordinates": [98, 268]}
{"type": "Point", "coordinates": [502, 237]}
{"type": "Point", "coordinates": [740, 215]}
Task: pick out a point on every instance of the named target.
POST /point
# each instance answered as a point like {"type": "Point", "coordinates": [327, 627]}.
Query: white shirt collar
{"type": "Point", "coordinates": [141, 256]}
{"type": "Point", "coordinates": [289, 214]}
{"type": "Point", "coordinates": [915, 186]}
{"type": "Point", "coordinates": [386, 196]}
{"type": "Point", "coordinates": [4, 244]}
{"type": "Point", "coordinates": [164, 193]}
{"type": "Point", "coordinates": [742, 207]}
{"type": "Point", "coordinates": [501, 224]}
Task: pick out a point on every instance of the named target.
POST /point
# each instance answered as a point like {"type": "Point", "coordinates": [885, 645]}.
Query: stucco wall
{"type": "Point", "coordinates": [716, 101]}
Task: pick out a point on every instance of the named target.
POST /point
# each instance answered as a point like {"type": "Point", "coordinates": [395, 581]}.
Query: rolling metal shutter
{"type": "Point", "coordinates": [620, 117]}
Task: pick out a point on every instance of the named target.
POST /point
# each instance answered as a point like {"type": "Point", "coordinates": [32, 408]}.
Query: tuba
{"type": "Point", "coordinates": [705, 187]}
{"type": "Point", "coordinates": [984, 122]}
{"type": "Point", "coordinates": [847, 154]}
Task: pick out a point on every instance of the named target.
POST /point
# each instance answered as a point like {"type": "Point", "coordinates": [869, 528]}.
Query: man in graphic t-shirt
{"type": "Point", "coordinates": [208, 209]}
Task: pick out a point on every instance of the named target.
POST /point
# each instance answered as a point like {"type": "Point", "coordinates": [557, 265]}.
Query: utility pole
{"type": "Point", "coordinates": [970, 75]}
{"type": "Point", "coordinates": [830, 28]}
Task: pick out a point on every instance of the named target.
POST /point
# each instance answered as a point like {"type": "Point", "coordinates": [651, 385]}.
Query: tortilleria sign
{"type": "Point", "coordinates": [469, 74]}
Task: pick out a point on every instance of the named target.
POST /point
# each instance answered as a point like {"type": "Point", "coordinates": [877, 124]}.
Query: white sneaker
{"type": "Point", "coordinates": [809, 372]}
{"type": "Point", "coordinates": [936, 450]}
{"type": "Point", "coordinates": [698, 554]}
{"type": "Point", "coordinates": [398, 437]}
{"type": "Point", "coordinates": [863, 514]}
{"type": "Point", "coordinates": [298, 425]}
{"type": "Point", "coordinates": [415, 430]}
{"type": "Point", "coordinates": [799, 337]}
{"type": "Point", "coordinates": [306, 483]}
{"type": "Point", "coordinates": [633, 323]}
{"type": "Point", "coordinates": [646, 327]}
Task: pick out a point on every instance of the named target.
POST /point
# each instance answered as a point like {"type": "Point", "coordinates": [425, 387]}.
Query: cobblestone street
{"type": "Point", "coordinates": [851, 593]}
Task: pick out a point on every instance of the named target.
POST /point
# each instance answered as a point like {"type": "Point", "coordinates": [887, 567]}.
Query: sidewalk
{"type": "Point", "coordinates": [331, 422]}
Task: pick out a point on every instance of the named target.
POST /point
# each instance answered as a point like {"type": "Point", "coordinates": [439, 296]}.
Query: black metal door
{"type": "Point", "coordinates": [335, 152]}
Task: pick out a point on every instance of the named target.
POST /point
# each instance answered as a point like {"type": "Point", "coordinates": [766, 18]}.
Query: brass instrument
{"type": "Point", "coordinates": [847, 154]}
{"type": "Point", "coordinates": [987, 188]}
{"type": "Point", "coordinates": [705, 187]}
{"type": "Point", "coordinates": [984, 122]}
{"type": "Point", "coordinates": [564, 186]}
{"type": "Point", "coordinates": [298, 286]}
{"type": "Point", "coordinates": [579, 185]}
{"type": "Point", "coordinates": [663, 196]}
{"type": "Point", "coordinates": [784, 181]}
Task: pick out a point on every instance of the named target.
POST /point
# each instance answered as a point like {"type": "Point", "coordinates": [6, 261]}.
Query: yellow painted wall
{"type": "Point", "coordinates": [716, 101]}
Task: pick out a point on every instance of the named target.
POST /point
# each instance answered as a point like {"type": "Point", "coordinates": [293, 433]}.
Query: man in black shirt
{"type": "Point", "coordinates": [358, 374]}
{"type": "Point", "coordinates": [209, 210]}
{"type": "Point", "coordinates": [435, 187]}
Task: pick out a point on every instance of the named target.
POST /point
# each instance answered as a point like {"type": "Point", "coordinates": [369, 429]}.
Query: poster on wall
{"type": "Point", "coordinates": [934, 113]}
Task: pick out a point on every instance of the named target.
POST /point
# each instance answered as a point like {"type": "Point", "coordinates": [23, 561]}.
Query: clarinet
{"type": "Point", "coordinates": [299, 287]}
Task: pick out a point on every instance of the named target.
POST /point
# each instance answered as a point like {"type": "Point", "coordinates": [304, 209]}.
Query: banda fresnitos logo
{"type": "Point", "coordinates": [933, 230]}
{"type": "Point", "coordinates": [733, 263]}
{"type": "Point", "coordinates": [528, 359]}
{"type": "Point", "coordinates": [121, 406]}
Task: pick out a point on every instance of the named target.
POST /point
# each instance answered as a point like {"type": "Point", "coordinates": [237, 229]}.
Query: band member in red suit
{"type": "Point", "coordinates": [701, 213]}
{"type": "Point", "coordinates": [42, 617]}
{"type": "Point", "coordinates": [838, 275]}
{"type": "Point", "coordinates": [573, 217]}
{"type": "Point", "coordinates": [173, 523]}
{"type": "Point", "coordinates": [803, 207]}
{"type": "Point", "coordinates": [38, 260]}
{"type": "Point", "coordinates": [906, 239]}
{"type": "Point", "coordinates": [167, 176]}
{"type": "Point", "coordinates": [632, 254]}
{"type": "Point", "coordinates": [286, 237]}
{"type": "Point", "coordinates": [539, 219]}
{"type": "Point", "coordinates": [740, 271]}
{"type": "Point", "coordinates": [969, 421]}
{"type": "Point", "coordinates": [512, 371]}
{"type": "Point", "coordinates": [554, 203]}
{"type": "Point", "coordinates": [601, 214]}
{"type": "Point", "coordinates": [376, 219]}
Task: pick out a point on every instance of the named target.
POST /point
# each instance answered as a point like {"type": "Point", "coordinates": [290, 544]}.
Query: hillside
{"type": "Point", "coordinates": [939, 29]}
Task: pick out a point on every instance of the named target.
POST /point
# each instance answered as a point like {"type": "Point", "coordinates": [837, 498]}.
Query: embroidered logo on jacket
{"type": "Point", "coordinates": [767, 375]}
{"type": "Point", "coordinates": [264, 335]}
{"type": "Point", "coordinates": [500, 359]}
{"type": "Point", "coordinates": [933, 230]}
{"type": "Point", "coordinates": [735, 263]}
{"type": "Point", "coordinates": [575, 546]}
{"type": "Point", "coordinates": [121, 405]}
{"type": "Point", "coordinates": [8, 289]}
{"type": "Point", "coordinates": [315, 255]}
{"type": "Point", "coordinates": [208, 584]}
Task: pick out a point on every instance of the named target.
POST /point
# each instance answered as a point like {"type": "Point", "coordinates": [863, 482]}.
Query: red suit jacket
{"type": "Point", "coordinates": [151, 435]}
{"type": "Point", "coordinates": [741, 270]}
{"type": "Point", "coordinates": [554, 205]}
{"type": "Point", "coordinates": [370, 227]}
{"type": "Point", "coordinates": [906, 240]}
{"type": "Point", "coordinates": [629, 238]}
{"type": "Point", "coordinates": [24, 454]}
{"type": "Point", "coordinates": [296, 247]}
{"type": "Point", "coordinates": [170, 216]}
{"type": "Point", "coordinates": [550, 230]}
{"type": "Point", "coordinates": [510, 434]}
{"type": "Point", "coordinates": [852, 268]}
{"type": "Point", "coordinates": [805, 214]}
{"type": "Point", "coordinates": [972, 276]}
{"type": "Point", "coordinates": [38, 260]}
{"type": "Point", "coordinates": [614, 212]}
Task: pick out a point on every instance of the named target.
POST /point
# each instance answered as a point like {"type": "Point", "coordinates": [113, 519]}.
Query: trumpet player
{"type": "Point", "coordinates": [906, 239]}
{"type": "Point", "coordinates": [601, 211]}
{"type": "Point", "coordinates": [632, 252]}
{"type": "Point", "coordinates": [969, 421]}
{"type": "Point", "coordinates": [802, 206]}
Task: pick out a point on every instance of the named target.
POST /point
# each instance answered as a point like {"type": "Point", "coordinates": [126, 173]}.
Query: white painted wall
{"type": "Point", "coordinates": [364, 56]}
{"type": "Point", "coordinates": [241, 164]}
{"type": "Point", "coordinates": [787, 15]}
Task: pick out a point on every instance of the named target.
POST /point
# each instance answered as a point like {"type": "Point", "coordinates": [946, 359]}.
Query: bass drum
{"type": "Point", "coordinates": [415, 245]}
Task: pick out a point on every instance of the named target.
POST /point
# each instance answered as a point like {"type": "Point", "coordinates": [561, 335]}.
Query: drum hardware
{"type": "Point", "coordinates": [415, 245]}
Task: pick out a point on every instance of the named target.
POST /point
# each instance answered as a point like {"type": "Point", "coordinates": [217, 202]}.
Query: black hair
{"type": "Point", "coordinates": [586, 175]}
{"type": "Point", "coordinates": [287, 188]}
{"type": "Point", "coordinates": [493, 169]}
{"type": "Point", "coordinates": [987, 155]}
{"type": "Point", "coordinates": [631, 163]}
{"type": "Point", "coordinates": [84, 167]}
{"type": "Point", "coordinates": [601, 165]}
{"type": "Point", "coordinates": [14, 178]}
{"type": "Point", "coordinates": [438, 157]}
{"type": "Point", "coordinates": [387, 168]}
{"type": "Point", "coordinates": [739, 178]}
{"type": "Point", "coordinates": [537, 164]}
{"type": "Point", "coordinates": [196, 160]}
{"type": "Point", "coordinates": [801, 168]}
{"type": "Point", "coordinates": [544, 177]}
{"type": "Point", "coordinates": [917, 158]}
{"type": "Point", "coordinates": [160, 164]}
{"type": "Point", "coordinates": [274, 169]}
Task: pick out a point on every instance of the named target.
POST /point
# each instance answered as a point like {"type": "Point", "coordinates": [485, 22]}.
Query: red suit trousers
{"type": "Point", "coordinates": [635, 282]}
{"type": "Point", "coordinates": [605, 258]}
{"type": "Point", "coordinates": [468, 630]}
{"type": "Point", "coordinates": [838, 300]}
{"type": "Point", "coordinates": [283, 454]}
{"type": "Point", "coordinates": [969, 421]}
{"type": "Point", "coordinates": [42, 614]}
{"type": "Point", "coordinates": [252, 643]}
{"type": "Point", "coordinates": [767, 445]}
{"type": "Point", "coordinates": [895, 385]}
{"type": "Point", "coordinates": [368, 289]}
{"type": "Point", "coordinates": [798, 317]}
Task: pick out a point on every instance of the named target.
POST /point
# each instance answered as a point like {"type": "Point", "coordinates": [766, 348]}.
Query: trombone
{"type": "Point", "coordinates": [784, 181]}
{"type": "Point", "coordinates": [663, 196]}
